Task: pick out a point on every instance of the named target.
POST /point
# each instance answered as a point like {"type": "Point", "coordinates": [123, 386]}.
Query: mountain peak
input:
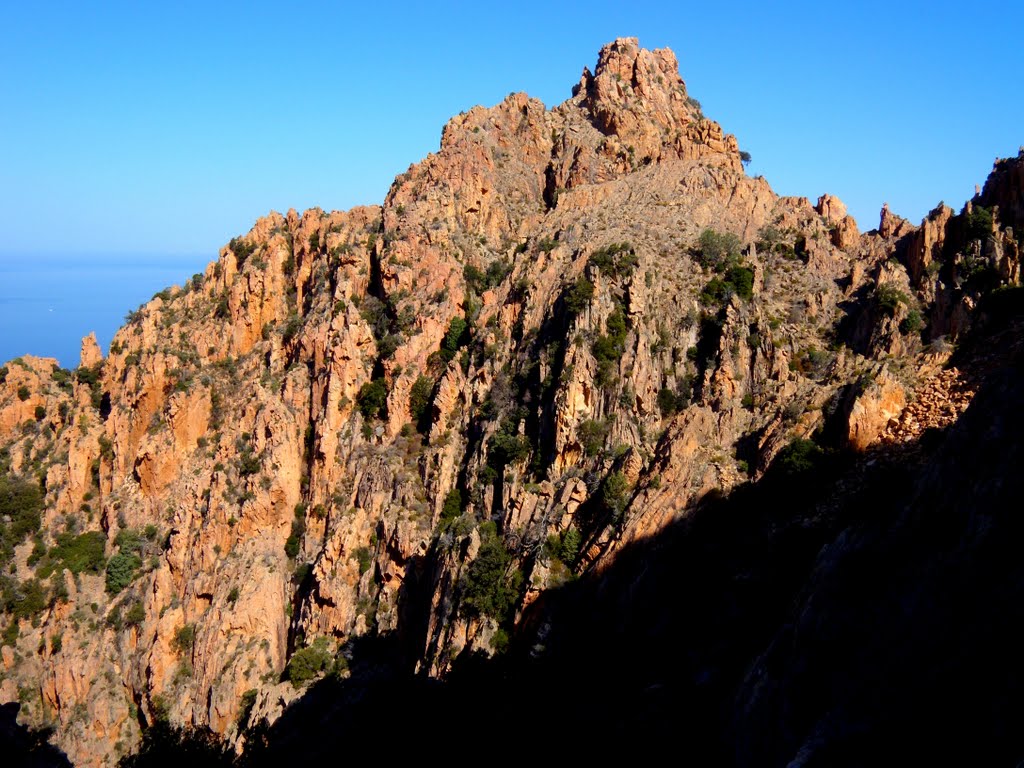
{"type": "Point", "coordinates": [638, 95]}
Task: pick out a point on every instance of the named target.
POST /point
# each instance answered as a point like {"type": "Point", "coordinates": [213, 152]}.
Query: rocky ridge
{"type": "Point", "coordinates": [555, 337]}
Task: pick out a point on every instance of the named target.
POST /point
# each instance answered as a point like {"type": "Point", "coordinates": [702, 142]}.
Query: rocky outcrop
{"type": "Point", "coordinates": [91, 355]}
{"type": "Point", "coordinates": [891, 226]}
{"type": "Point", "coordinates": [842, 226]}
{"type": "Point", "coordinates": [881, 401]}
{"type": "Point", "coordinates": [937, 404]}
{"type": "Point", "coordinates": [925, 247]}
{"type": "Point", "coordinates": [1004, 189]}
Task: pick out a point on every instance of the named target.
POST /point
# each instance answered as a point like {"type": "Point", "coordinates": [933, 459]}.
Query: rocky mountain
{"type": "Point", "coordinates": [579, 394]}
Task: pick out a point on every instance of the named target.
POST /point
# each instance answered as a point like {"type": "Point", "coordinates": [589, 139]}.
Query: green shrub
{"type": "Point", "coordinates": [24, 600]}
{"type": "Point", "coordinates": [11, 632]}
{"type": "Point", "coordinates": [592, 435]}
{"type": "Point", "coordinates": [507, 447]}
{"type": "Point", "coordinates": [113, 618]}
{"type": "Point", "coordinates": [91, 378]}
{"type": "Point", "coordinates": [456, 337]}
{"type": "Point", "coordinates": [451, 509]}
{"type": "Point", "coordinates": [23, 393]}
{"type": "Point", "coordinates": [579, 296]}
{"type": "Point", "coordinates": [615, 260]}
{"type": "Point", "coordinates": [489, 587]}
{"type": "Point", "coordinates": [79, 554]}
{"type": "Point", "coordinates": [387, 346]}
{"type": "Point", "coordinates": [616, 325]}
{"type": "Point", "coordinates": [58, 589]}
{"type": "Point", "coordinates": [608, 348]}
{"type": "Point", "coordinates": [888, 299]}
{"type": "Point", "coordinates": [375, 313]}
{"type": "Point", "coordinates": [121, 570]}
{"type": "Point", "coordinates": [497, 271]}
{"type": "Point", "coordinates": [294, 542]}
{"type": "Point", "coordinates": [21, 502]}
{"type": "Point", "coordinates": [715, 292]}
{"type": "Point", "coordinates": [569, 545]}
{"type": "Point", "coordinates": [716, 249]}
{"type": "Point", "coordinates": [136, 615]}
{"type": "Point", "coordinates": [615, 494]}
{"type": "Point", "coordinates": [291, 328]}
{"type": "Point", "coordinates": [3, 374]}
{"type": "Point", "coordinates": [419, 398]}
{"type": "Point", "coordinates": [912, 323]}
{"type": "Point", "coordinates": [571, 542]}
{"type": "Point", "coordinates": [185, 639]}
{"type": "Point", "coordinates": [301, 573]}
{"type": "Point", "coordinates": [500, 641]}
{"type": "Point", "coordinates": [979, 223]}
{"type": "Point", "coordinates": [474, 276]}
{"type": "Point", "coordinates": [741, 278]}
{"type": "Point", "coordinates": [245, 705]}
{"type": "Point", "coordinates": [38, 552]}
{"type": "Point", "coordinates": [62, 376]}
{"type": "Point", "coordinates": [799, 456]}
{"type": "Point", "coordinates": [667, 401]}
{"type": "Point", "coordinates": [222, 308]}
{"type": "Point", "coordinates": [481, 281]}
{"type": "Point", "coordinates": [811, 362]}
{"type": "Point", "coordinates": [248, 462]}
{"type": "Point", "coordinates": [242, 250]}
{"type": "Point", "coordinates": [309, 662]}
{"type": "Point", "coordinates": [130, 541]}
{"type": "Point", "coordinates": [365, 559]}
{"type": "Point", "coordinates": [372, 398]}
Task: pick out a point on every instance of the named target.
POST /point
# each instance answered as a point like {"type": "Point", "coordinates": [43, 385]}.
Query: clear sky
{"type": "Point", "coordinates": [167, 128]}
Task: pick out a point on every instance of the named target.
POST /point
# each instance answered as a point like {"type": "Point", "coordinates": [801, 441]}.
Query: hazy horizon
{"type": "Point", "coordinates": [48, 302]}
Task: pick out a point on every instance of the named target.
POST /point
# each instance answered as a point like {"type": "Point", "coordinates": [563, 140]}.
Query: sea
{"type": "Point", "coordinates": [48, 302]}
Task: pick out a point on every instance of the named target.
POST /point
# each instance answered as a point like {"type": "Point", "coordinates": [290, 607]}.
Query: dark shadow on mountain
{"type": "Point", "coordinates": [23, 747]}
{"type": "Point", "coordinates": [902, 647]}
{"type": "Point", "coordinates": [843, 611]}
{"type": "Point", "coordinates": [166, 745]}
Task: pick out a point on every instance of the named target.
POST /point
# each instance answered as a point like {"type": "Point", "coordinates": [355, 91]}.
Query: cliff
{"type": "Point", "coordinates": [556, 339]}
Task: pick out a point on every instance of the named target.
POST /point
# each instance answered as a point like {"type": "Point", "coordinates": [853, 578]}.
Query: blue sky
{"type": "Point", "coordinates": [145, 128]}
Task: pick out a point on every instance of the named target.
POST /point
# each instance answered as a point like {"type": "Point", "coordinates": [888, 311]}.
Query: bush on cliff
{"type": "Point", "coordinates": [307, 663]}
{"type": "Point", "coordinates": [371, 398]}
{"type": "Point", "coordinates": [121, 570]}
{"type": "Point", "coordinates": [489, 587]}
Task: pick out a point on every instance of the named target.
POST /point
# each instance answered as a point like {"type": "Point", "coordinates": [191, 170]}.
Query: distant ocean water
{"type": "Point", "coordinates": [49, 302]}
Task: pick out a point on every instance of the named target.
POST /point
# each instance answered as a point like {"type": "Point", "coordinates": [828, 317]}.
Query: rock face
{"type": "Point", "coordinates": [91, 354]}
{"type": "Point", "coordinates": [554, 338]}
{"type": "Point", "coordinates": [881, 402]}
